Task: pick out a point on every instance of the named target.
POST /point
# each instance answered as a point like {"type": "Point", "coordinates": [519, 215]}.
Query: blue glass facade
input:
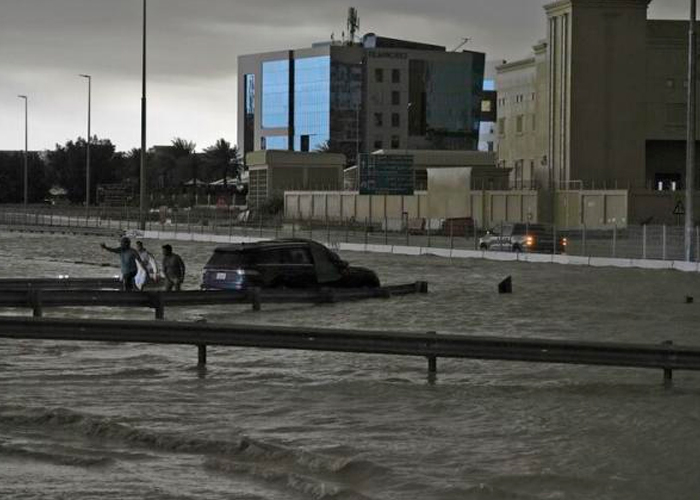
{"type": "Point", "coordinates": [275, 142]}
{"type": "Point", "coordinates": [275, 94]}
{"type": "Point", "coordinates": [312, 101]}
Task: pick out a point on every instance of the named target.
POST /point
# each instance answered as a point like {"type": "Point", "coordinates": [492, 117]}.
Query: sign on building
{"type": "Point", "coordinates": [386, 174]}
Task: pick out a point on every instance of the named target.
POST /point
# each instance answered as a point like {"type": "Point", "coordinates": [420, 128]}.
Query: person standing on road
{"type": "Point", "coordinates": [148, 273]}
{"type": "Point", "coordinates": [128, 258]}
{"type": "Point", "coordinates": [173, 269]}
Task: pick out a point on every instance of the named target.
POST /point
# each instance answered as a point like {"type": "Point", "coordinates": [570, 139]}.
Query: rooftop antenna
{"type": "Point", "coordinates": [353, 23]}
{"type": "Point", "coordinates": [464, 42]}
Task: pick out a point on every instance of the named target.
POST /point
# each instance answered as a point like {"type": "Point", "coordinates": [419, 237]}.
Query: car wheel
{"type": "Point", "coordinates": [483, 246]}
{"type": "Point", "coordinates": [516, 248]}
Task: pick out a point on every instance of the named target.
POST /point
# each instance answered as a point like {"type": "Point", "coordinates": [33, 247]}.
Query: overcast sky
{"type": "Point", "coordinates": [192, 51]}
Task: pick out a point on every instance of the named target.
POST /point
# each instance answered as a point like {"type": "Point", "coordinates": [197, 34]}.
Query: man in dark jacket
{"type": "Point", "coordinates": [173, 269]}
{"type": "Point", "coordinates": [128, 258]}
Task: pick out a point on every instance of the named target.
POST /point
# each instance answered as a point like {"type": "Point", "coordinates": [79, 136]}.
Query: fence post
{"type": "Point", "coordinates": [663, 242]}
{"type": "Point", "coordinates": [428, 220]}
{"type": "Point", "coordinates": [293, 227]}
{"type": "Point", "coordinates": [261, 225]}
{"type": "Point", "coordinates": [614, 241]}
{"type": "Point", "coordinates": [644, 241]}
{"type": "Point", "coordinates": [347, 230]}
{"type": "Point", "coordinates": [476, 241]}
{"type": "Point", "coordinates": [366, 230]}
{"type": "Point", "coordinates": [328, 228]}
{"type": "Point", "coordinates": [697, 244]}
{"type": "Point", "coordinates": [386, 229]}
{"type": "Point", "coordinates": [554, 239]}
{"type": "Point", "coordinates": [451, 223]}
{"type": "Point", "coordinates": [583, 241]}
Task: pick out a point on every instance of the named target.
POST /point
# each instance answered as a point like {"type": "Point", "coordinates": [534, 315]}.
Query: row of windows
{"type": "Point", "coordinates": [520, 124]}
{"type": "Point", "coordinates": [379, 75]}
{"type": "Point", "coordinates": [516, 99]}
{"type": "Point", "coordinates": [379, 119]}
{"type": "Point", "coordinates": [395, 142]}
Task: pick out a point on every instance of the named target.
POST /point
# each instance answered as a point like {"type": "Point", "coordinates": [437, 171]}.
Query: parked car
{"type": "Point", "coordinates": [520, 237]}
{"type": "Point", "coordinates": [292, 263]}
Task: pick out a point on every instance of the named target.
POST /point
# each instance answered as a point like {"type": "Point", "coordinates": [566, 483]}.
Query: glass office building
{"type": "Point", "coordinates": [378, 94]}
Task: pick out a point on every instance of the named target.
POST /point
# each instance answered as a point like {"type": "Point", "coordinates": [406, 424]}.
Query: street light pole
{"type": "Point", "coordinates": [87, 154]}
{"type": "Point", "coordinates": [26, 149]}
{"type": "Point", "coordinates": [142, 177]}
{"type": "Point", "coordinates": [690, 144]}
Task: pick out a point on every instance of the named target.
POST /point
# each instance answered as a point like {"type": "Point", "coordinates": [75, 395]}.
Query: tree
{"type": "Point", "coordinates": [221, 157]}
{"type": "Point", "coordinates": [12, 177]}
{"type": "Point", "coordinates": [67, 166]}
{"type": "Point", "coordinates": [186, 163]}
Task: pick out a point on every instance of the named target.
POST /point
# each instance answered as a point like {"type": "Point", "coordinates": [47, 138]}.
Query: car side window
{"type": "Point", "coordinates": [297, 256]}
{"type": "Point", "coordinates": [270, 257]}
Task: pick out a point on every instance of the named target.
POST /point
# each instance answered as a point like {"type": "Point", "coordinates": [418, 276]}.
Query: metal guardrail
{"type": "Point", "coordinates": [38, 299]}
{"type": "Point", "coordinates": [666, 357]}
{"type": "Point", "coordinates": [59, 283]}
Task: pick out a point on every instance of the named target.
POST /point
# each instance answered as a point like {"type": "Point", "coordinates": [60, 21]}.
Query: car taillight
{"type": "Point", "coordinates": [529, 241]}
{"type": "Point", "coordinates": [563, 241]}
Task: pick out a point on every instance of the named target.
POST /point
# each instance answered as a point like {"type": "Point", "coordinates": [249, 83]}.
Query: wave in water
{"type": "Point", "coordinates": [321, 476]}
{"type": "Point", "coordinates": [54, 458]}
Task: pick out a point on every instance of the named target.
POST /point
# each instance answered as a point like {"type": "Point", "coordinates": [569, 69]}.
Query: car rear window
{"type": "Point", "coordinates": [231, 260]}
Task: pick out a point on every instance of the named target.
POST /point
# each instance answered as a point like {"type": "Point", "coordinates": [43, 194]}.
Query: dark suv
{"type": "Point", "coordinates": [292, 263]}
{"type": "Point", "coordinates": [521, 237]}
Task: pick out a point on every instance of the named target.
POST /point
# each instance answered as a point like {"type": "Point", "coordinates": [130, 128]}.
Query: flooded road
{"type": "Point", "coordinates": [89, 420]}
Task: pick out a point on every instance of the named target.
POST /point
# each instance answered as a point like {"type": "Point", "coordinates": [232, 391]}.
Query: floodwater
{"type": "Point", "coordinates": [112, 421]}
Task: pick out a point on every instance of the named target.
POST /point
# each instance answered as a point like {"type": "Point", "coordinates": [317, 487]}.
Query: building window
{"type": "Point", "coordinates": [486, 106]}
{"type": "Point", "coordinates": [378, 120]}
{"type": "Point", "coordinates": [275, 94]}
{"type": "Point", "coordinates": [378, 75]}
{"type": "Point", "coordinates": [275, 142]}
{"type": "Point", "coordinates": [395, 143]}
{"type": "Point", "coordinates": [533, 97]}
{"type": "Point", "coordinates": [312, 102]}
{"type": "Point", "coordinates": [378, 144]}
{"type": "Point", "coordinates": [502, 127]}
{"type": "Point", "coordinates": [395, 76]}
{"type": "Point", "coordinates": [534, 122]}
{"type": "Point", "coordinates": [395, 119]}
{"type": "Point", "coordinates": [519, 124]}
{"type": "Point", "coordinates": [395, 98]}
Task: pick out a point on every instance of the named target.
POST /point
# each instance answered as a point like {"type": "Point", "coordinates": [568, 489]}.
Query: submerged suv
{"type": "Point", "coordinates": [292, 263]}
{"type": "Point", "coordinates": [520, 237]}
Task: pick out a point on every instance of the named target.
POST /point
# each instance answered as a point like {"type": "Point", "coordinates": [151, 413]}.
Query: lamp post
{"type": "Point", "coordinates": [690, 144]}
{"type": "Point", "coordinates": [26, 148]}
{"type": "Point", "coordinates": [87, 154]}
{"type": "Point", "coordinates": [142, 177]}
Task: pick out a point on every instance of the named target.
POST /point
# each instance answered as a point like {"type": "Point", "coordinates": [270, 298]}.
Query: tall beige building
{"type": "Point", "coordinates": [600, 103]}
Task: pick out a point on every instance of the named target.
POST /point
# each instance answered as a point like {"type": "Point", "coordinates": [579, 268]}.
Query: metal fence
{"type": "Point", "coordinates": [659, 242]}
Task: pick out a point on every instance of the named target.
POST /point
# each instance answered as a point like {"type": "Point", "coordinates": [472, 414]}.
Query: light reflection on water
{"type": "Point", "coordinates": [118, 420]}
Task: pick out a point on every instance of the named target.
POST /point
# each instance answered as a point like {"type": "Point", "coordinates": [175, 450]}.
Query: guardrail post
{"type": "Point", "coordinates": [255, 299]}
{"type": "Point", "coordinates": [668, 372]}
{"type": "Point", "coordinates": [35, 303]}
{"type": "Point", "coordinates": [201, 355]}
{"type": "Point", "coordinates": [158, 304]}
{"type": "Point", "coordinates": [432, 363]}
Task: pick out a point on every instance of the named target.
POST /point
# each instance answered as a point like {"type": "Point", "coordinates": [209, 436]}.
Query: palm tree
{"type": "Point", "coordinates": [222, 157]}
{"type": "Point", "coordinates": [182, 152]}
